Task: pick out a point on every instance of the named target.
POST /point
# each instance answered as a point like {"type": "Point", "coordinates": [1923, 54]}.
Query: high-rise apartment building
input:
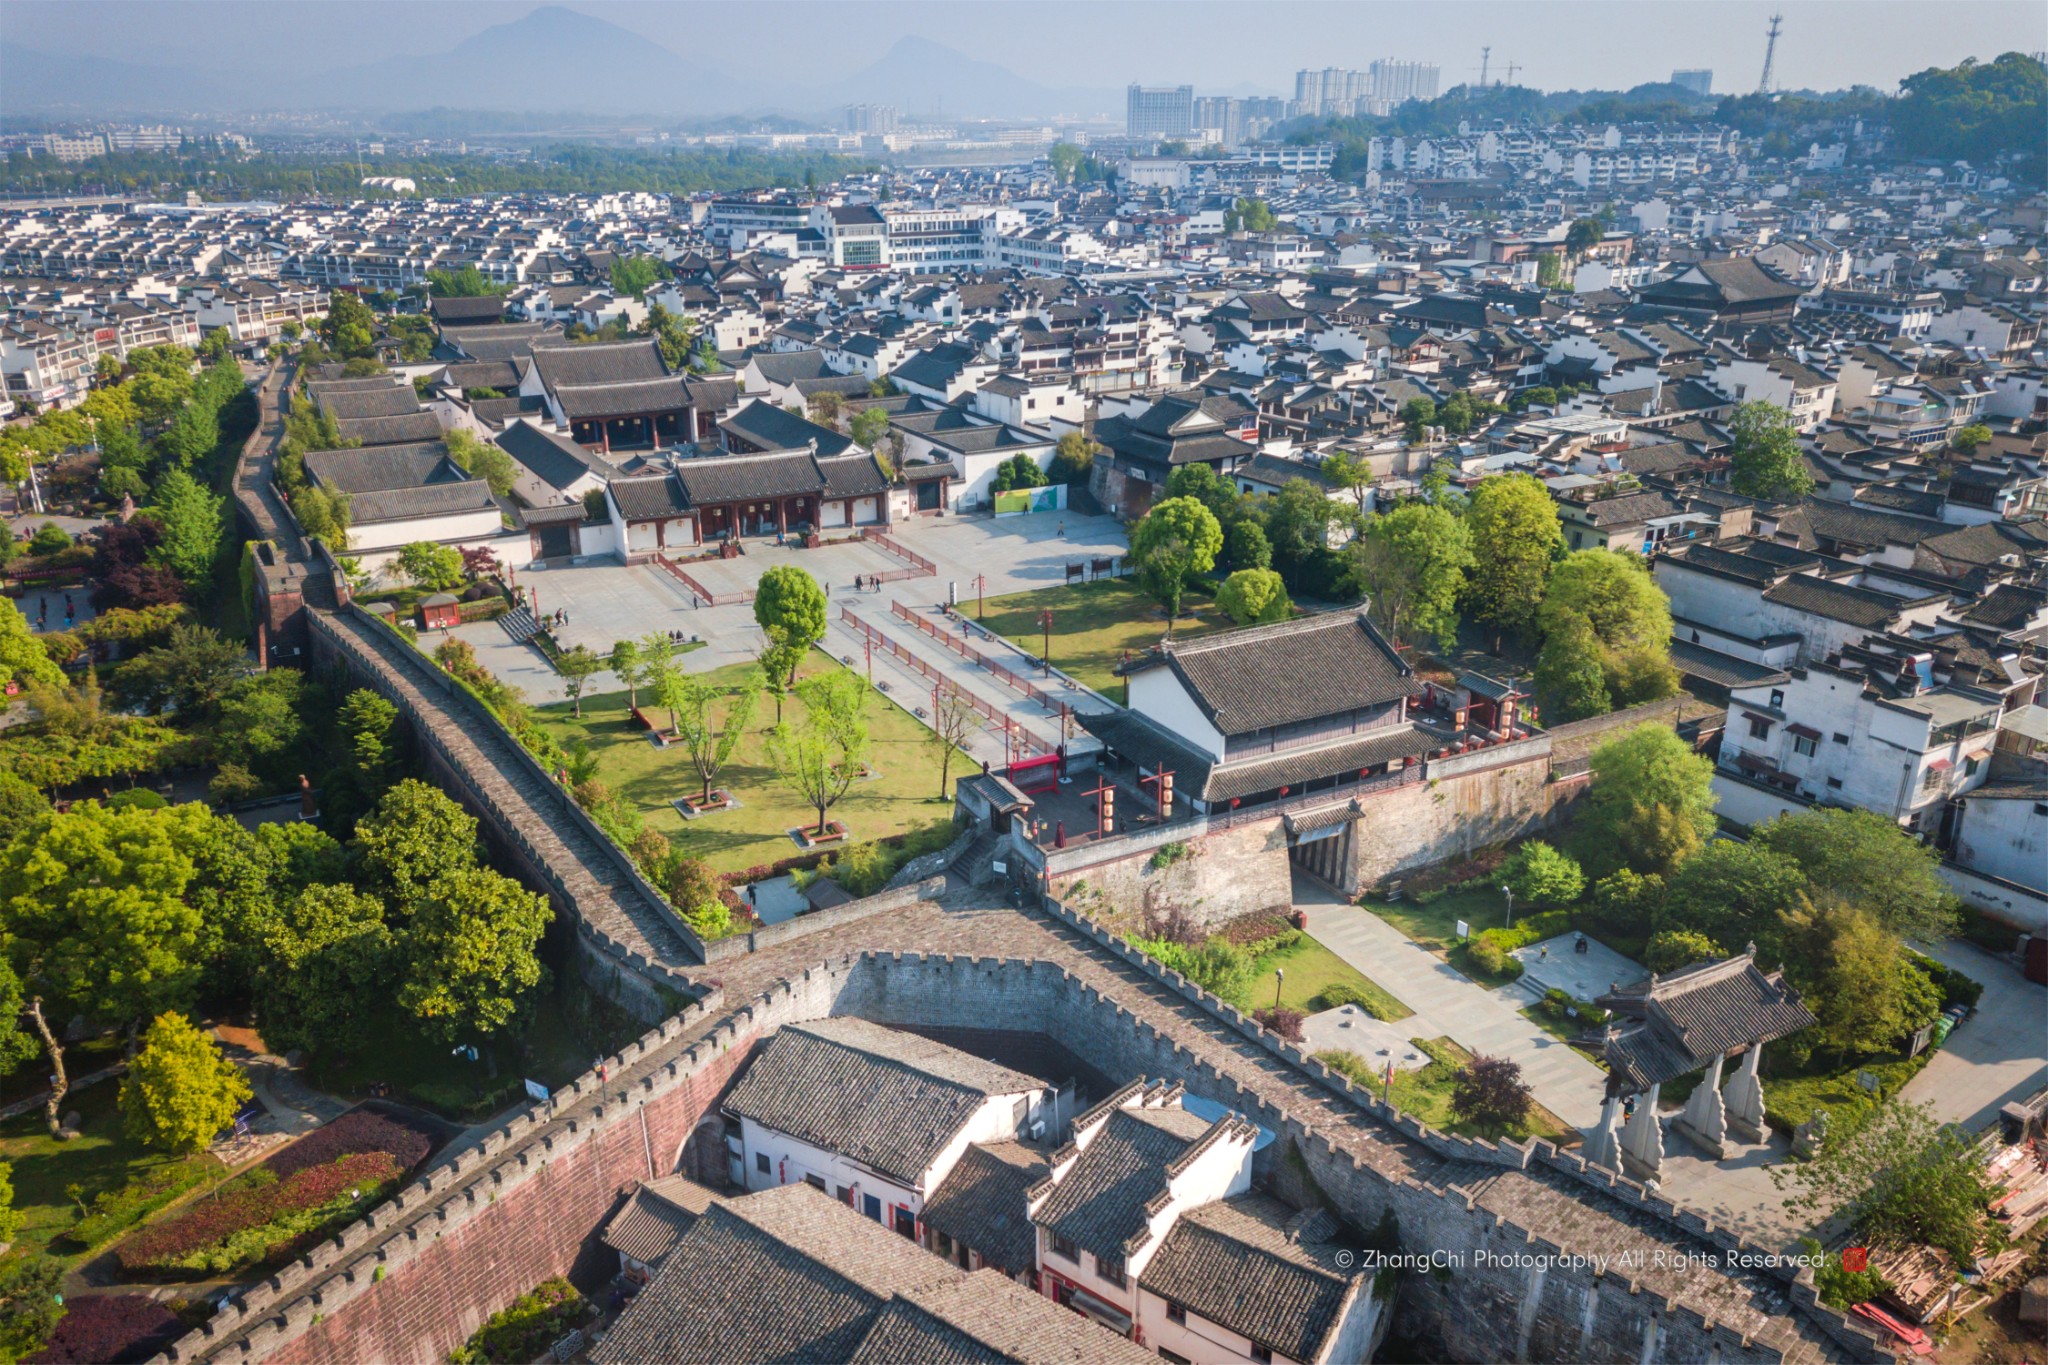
{"type": "Point", "coordinates": [1339, 91]}
{"type": "Point", "coordinates": [1394, 81]}
{"type": "Point", "coordinates": [1700, 82]}
{"type": "Point", "coordinates": [1162, 111]}
{"type": "Point", "coordinates": [872, 118]}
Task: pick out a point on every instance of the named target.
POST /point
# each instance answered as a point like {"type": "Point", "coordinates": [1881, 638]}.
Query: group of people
{"type": "Point", "coordinates": [43, 613]}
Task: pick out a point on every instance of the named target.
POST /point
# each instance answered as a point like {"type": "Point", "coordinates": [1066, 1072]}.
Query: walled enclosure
{"type": "Point", "coordinates": [419, 1273]}
{"type": "Point", "coordinates": [1216, 877]}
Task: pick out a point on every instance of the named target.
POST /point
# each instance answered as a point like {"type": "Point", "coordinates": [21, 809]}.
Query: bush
{"type": "Point", "coordinates": [1377, 1004]}
{"type": "Point", "coordinates": [1490, 958]}
{"type": "Point", "coordinates": [1166, 855]}
{"type": "Point", "coordinates": [260, 1219]}
{"type": "Point", "coordinates": [115, 1211]}
{"type": "Point", "coordinates": [1674, 948]}
{"type": "Point", "coordinates": [1490, 1093]}
{"type": "Point", "coordinates": [1283, 1021]}
{"type": "Point", "coordinates": [109, 1329]}
{"type": "Point", "coordinates": [535, 1321]}
{"type": "Point", "coordinates": [1956, 988]}
{"type": "Point", "coordinates": [1541, 876]}
{"type": "Point", "coordinates": [1839, 1287]}
{"type": "Point", "coordinates": [49, 539]}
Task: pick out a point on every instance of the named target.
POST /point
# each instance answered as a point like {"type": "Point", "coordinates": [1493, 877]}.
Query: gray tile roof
{"type": "Point", "coordinates": [1689, 1017]}
{"type": "Point", "coordinates": [989, 1317]}
{"type": "Point", "coordinates": [554, 459]}
{"type": "Point", "coordinates": [1261, 676]}
{"type": "Point", "coordinates": [371, 469]}
{"type": "Point", "coordinates": [980, 1203]}
{"type": "Point", "coordinates": [741, 478]}
{"type": "Point", "coordinates": [772, 428]}
{"type": "Point", "coordinates": [1100, 1204]}
{"type": "Point", "coordinates": [401, 504]}
{"type": "Point", "coordinates": [391, 400]}
{"type": "Point", "coordinates": [655, 1217]}
{"type": "Point", "coordinates": [380, 431]}
{"type": "Point", "coordinates": [890, 1100]}
{"type": "Point", "coordinates": [625, 398]}
{"type": "Point", "coordinates": [1255, 1267]}
{"type": "Point", "coordinates": [1844, 602]}
{"type": "Point", "coordinates": [594, 362]}
{"type": "Point", "coordinates": [655, 498]}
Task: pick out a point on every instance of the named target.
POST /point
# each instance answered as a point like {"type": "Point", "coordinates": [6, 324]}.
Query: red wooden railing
{"type": "Point", "coordinates": [710, 598]}
{"type": "Point", "coordinates": [1021, 740]}
{"type": "Point", "coordinates": [1016, 682]}
{"type": "Point", "coordinates": [920, 567]}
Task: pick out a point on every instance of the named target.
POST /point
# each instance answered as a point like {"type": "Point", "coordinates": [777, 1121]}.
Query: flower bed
{"type": "Point", "coordinates": [265, 1217]}
{"type": "Point", "coordinates": [109, 1329]}
{"type": "Point", "coordinates": [359, 1130]}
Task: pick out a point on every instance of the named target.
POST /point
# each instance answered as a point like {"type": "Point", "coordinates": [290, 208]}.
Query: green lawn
{"type": "Point", "coordinates": [1094, 625]}
{"type": "Point", "coordinates": [902, 795]}
{"type": "Point", "coordinates": [1435, 926]}
{"type": "Point", "coordinates": [1426, 1091]}
{"type": "Point", "coordinates": [1312, 969]}
{"type": "Point", "coordinates": [100, 1159]}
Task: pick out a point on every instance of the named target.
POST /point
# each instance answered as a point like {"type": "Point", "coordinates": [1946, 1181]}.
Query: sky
{"type": "Point", "coordinates": [1240, 47]}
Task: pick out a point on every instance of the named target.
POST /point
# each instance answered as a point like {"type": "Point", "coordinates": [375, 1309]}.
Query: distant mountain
{"type": "Point", "coordinates": [59, 83]}
{"type": "Point", "coordinates": [924, 78]}
{"type": "Point", "coordinates": [551, 58]}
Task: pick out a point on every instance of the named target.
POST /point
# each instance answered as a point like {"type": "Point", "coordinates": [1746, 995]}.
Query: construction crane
{"type": "Point", "coordinates": [1763, 86]}
{"type": "Point", "coordinates": [1485, 56]}
{"type": "Point", "coordinates": [1512, 69]}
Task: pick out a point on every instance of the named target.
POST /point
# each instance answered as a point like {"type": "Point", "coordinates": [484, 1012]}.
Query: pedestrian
{"type": "Point", "coordinates": [1063, 526]}
{"type": "Point", "coordinates": [828, 591]}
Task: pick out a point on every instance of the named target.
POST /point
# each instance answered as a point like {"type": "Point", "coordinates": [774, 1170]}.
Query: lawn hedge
{"type": "Point", "coordinates": [109, 1329]}
{"type": "Point", "coordinates": [259, 1218]}
{"type": "Point", "coordinates": [359, 1130]}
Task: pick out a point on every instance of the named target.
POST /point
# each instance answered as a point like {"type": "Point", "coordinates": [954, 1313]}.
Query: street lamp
{"type": "Point", "coordinates": [1279, 979]}
{"type": "Point", "coordinates": [1509, 892]}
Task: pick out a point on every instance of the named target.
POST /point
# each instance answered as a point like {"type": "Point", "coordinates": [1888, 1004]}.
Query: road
{"type": "Point", "coordinates": [1998, 1054]}
{"type": "Point", "coordinates": [1446, 1003]}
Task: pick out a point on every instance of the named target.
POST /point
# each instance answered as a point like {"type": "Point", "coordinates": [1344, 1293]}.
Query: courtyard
{"type": "Point", "coordinates": [901, 795]}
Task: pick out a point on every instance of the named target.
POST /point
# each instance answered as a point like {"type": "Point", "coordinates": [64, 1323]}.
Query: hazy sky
{"type": "Point", "coordinates": [1215, 46]}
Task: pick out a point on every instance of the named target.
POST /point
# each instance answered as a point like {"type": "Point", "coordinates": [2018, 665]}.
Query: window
{"type": "Point", "coordinates": [761, 1162]}
{"type": "Point", "coordinates": [906, 1224]}
{"type": "Point", "coordinates": [1759, 728]}
{"type": "Point", "coordinates": [816, 1182]}
{"type": "Point", "coordinates": [1063, 1248]}
{"type": "Point", "coordinates": [1834, 784]}
{"type": "Point", "coordinates": [871, 1206]}
{"type": "Point", "coordinates": [846, 1195]}
{"type": "Point", "coordinates": [1167, 1355]}
{"type": "Point", "coordinates": [1804, 747]}
{"type": "Point", "coordinates": [1110, 1268]}
{"type": "Point", "coordinates": [1841, 738]}
{"type": "Point", "coordinates": [1262, 1355]}
{"type": "Point", "coordinates": [1175, 1312]}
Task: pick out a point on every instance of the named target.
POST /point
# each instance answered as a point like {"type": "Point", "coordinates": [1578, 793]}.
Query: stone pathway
{"type": "Point", "coordinates": [1446, 1003]}
{"type": "Point", "coordinates": [1999, 1053]}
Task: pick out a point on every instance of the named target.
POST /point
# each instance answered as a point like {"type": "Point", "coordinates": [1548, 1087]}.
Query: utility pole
{"type": "Point", "coordinates": [1512, 69]}
{"type": "Point", "coordinates": [1763, 86]}
{"type": "Point", "coordinates": [1485, 56]}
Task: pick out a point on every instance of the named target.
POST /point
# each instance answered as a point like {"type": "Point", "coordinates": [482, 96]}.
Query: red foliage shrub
{"type": "Point", "coordinates": [1256, 927]}
{"type": "Point", "coordinates": [215, 1220]}
{"type": "Point", "coordinates": [109, 1329]}
{"type": "Point", "coordinates": [359, 1130]}
{"type": "Point", "coordinates": [1283, 1021]}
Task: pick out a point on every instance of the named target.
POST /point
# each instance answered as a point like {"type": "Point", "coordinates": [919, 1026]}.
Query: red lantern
{"type": "Point", "coordinates": [1235, 802]}
{"type": "Point", "coordinates": [1364, 772]}
{"type": "Point", "coordinates": [1285, 790]}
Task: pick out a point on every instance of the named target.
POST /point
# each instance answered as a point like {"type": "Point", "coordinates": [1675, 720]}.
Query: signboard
{"type": "Point", "coordinates": [536, 1090]}
{"type": "Point", "coordinates": [1464, 929]}
{"type": "Point", "coordinates": [1018, 501]}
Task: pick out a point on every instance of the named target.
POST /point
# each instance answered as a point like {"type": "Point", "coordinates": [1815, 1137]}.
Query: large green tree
{"type": "Point", "coordinates": [789, 606]}
{"type": "Point", "coordinates": [468, 964]}
{"type": "Point", "coordinates": [1765, 462]}
{"type": "Point", "coordinates": [415, 833]}
{"type": "Point", "coordinates": [192, 523]}
{"type": "Point", "coordinates": [708, 737]}
{"type": "Point", "coordinates": [1175, 542]}
{"type": "Point", "coordinates": [1899, 1176]}
{"type": "Point", "coordinates": [22, 656]}
{"type": "Point", "coordinates": [327, 957]}
{"type": "Point", "coordinates": [1253, 597]}
{"type": "Point", "coordinates": [821, 756]}
{"type": "Point", "coordinates": [1612, 593]}
{"type": "Point", "coordinates": [1867, 860]}
{"type": "Point", "coordinates": [1410, 564]}
{"type": "Point", "coordinates": [179, 1091]}
{"type": "Point", "coordinates": [1651, 804]}
{"type": "Point", "coordinates": [1515, 536]}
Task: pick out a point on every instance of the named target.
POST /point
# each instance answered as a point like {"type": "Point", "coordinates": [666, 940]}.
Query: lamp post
{"type": "Point", "coordinates": [1509, 892]}
{"type": "Point", "coordinates": [1279, 979]}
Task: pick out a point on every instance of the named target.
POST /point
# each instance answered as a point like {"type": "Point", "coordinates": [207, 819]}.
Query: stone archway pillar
{"type": "Point", "coordinates": [1603, 1140]}
{"type": "Point", "coordinates": [1705, 1119]}
{"type": "Point", "coordinates": [1745, 1097]}
{"type": "Point", "coordinates": [1642, 1140]}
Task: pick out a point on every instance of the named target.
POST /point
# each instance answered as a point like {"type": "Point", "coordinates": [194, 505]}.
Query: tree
{"type": "Point", "coordinates": [1514, 529]}
{"type": "Point", "coordinates": [192, 526]}
{"type": "Point", "coordinates": [1541, 876]}
{"type": "Point", "coordinates": [31, 1303]}
{"type": "Point", "coordinates": [675, 337]}
{"type": "Point", "coordinates": [466, 283]}
{"type": "Point", "coordinates": [953, 721]}
{"type": "Point", "coordinates": [179, 1091]}
{"type": "Point", "coordinates": [635, 275]}
{"type": "Point", "coordinates": [259, 717]}
{"type": "Point", "coordinates": [577, 667]}
{"type": "Point", "coordinates": [1671, 949]}
{"type": "Point", "coordinates": [1245, 546]}
{"type": "Point", "coordinates": [1352, 474]}
{"type": "Point", "coordinates": [1652, 800]}
{"type": "Point", "coordinates": [413, 835]}
{"type": "Point", "coordinates": [1019, 471]}
{"type": "Point", "coordinates": [1073, 459]}
{"type": "Point", "coordinates": [1489, 1093]}
{"type": "Point", "coordinates": [1866, 994]}
{"type": "Point", "coordinates": [625, 664]}
{"type": "Point", "coordinates": [869, 426]}
{"type": "Point", "coordinates": [323, 514]}
{"type": "Point", "coordinates": [1583, 235]}
{"type": "Point", "coordinates": [22, 656]}
{"type": "Point", "coordinates": [1250, 215]}
{"type": "Point", "coordinates": [1254, 597]}
{"type": "Point", "coordinates": [469, 965]}
{"type": "Point", "coordinates": [1766, 462]}
{"type": "Point", "coordinates": [49, 539]}
{"type": "Point", "coordinates": [1417, 415]}
{"type": "Point", "coordinates": [1899, 1177]}
{"type": "Point", "coordinates": [350, 329]}
{"type": "Point", "coordinates": [434, 567]}
{"type": "Point", "coordinates": [821, 758]}
{"type": "Point", "coordinates": [1735, 891]}
{"type": "Point", "coordinates": [189, 672]}
{"type": "Point", "coordinates": [823, 407]}
{"type": "Point", "coordinates": [1571, 676]}
{"type": "Point", "coordinates": [657, 668]}
{"type": "Point", "coordinates": [1410, 564]}
{"type": "Point", "coordinates": [1550, 270]}
{"type": "Point", "coordinates": [711, 740]}
{"type": "Point", "coordinates": [789, 606]}
{"type": "Point", "coordinates": [1178, 539]}
{"type": "Point", "coordinates": [486, 461]}
{"type": "Point", "coordinates": [1966, 440]}
{"type": "Point", "coordinates": [1866, 860]}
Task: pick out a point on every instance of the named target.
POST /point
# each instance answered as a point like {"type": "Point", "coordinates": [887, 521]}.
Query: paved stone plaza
{"type": "Point", "coordinates": [1555, 964]}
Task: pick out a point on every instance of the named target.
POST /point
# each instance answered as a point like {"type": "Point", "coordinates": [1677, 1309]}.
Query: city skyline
{"type": "Point", "coordinates": [1826, 45]}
